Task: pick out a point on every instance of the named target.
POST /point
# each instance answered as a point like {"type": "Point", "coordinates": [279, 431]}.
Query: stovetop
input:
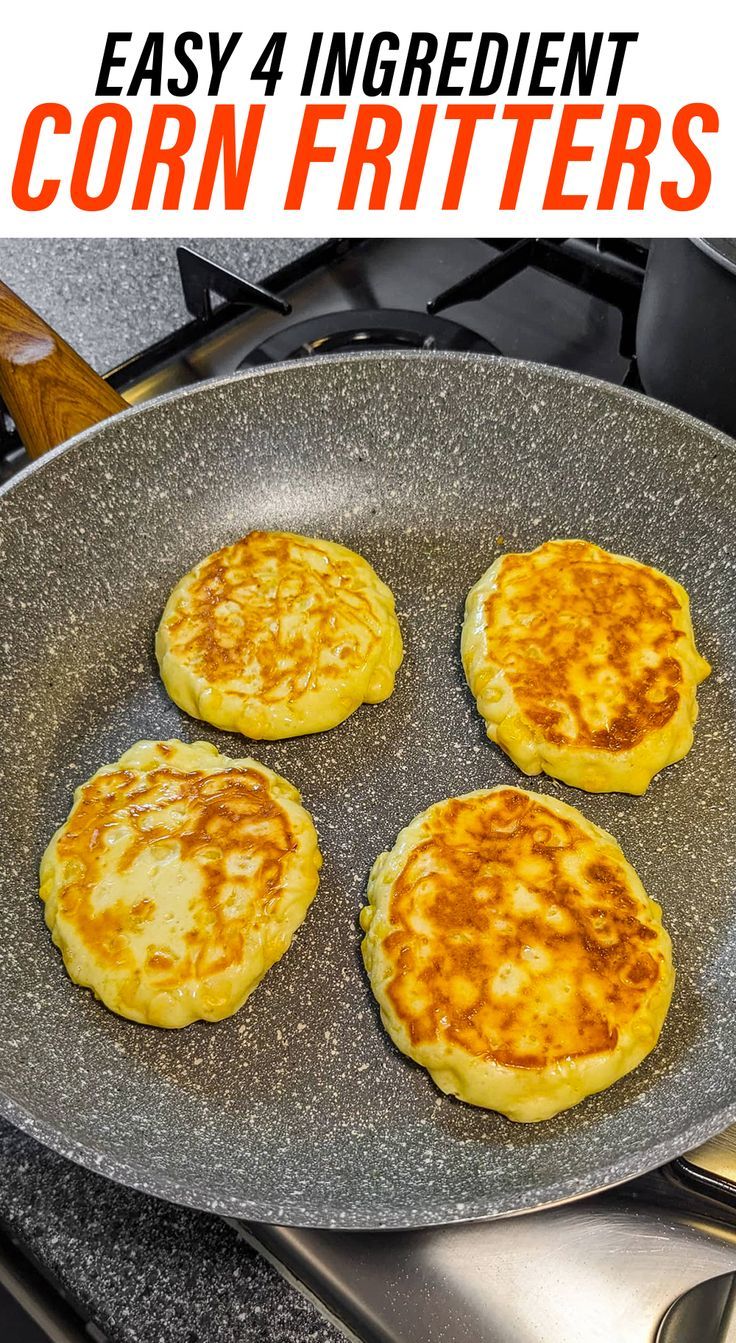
{"type": "Point", "coordinates": [605, 1269]}
{"type": "Point", "coordinates": [570, 302]}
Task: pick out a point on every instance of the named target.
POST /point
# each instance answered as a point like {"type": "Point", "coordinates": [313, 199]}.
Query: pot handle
{"type": "Point", "coordinates": [46, 386]}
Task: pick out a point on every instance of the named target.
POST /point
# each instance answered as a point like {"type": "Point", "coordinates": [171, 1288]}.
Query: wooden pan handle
{"type": "Point", "coordinates": [48, 389]}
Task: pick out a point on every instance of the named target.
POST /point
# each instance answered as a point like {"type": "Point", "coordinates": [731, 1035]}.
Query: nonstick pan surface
{"type": "Point", "coordinates": [298, 1109]}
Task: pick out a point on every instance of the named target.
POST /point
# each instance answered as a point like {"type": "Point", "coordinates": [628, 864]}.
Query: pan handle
{"type": "Point", "coordinates": [48, 389]}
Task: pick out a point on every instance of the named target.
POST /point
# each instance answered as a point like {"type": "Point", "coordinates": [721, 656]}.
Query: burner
{"type": "Point", "coordinates": [363, 329]}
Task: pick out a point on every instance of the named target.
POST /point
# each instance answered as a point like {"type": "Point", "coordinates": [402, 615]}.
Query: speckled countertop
{"type": "Point", "coordinates": [144, 1271]}
{"type": "Point", "coordinates": [110, 297]}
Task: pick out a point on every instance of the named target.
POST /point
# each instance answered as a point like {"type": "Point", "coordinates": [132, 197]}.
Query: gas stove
{"type": "Point", "coordinates": [570, 302]}
{"type": "Point", "coordinates": [611, 1268]}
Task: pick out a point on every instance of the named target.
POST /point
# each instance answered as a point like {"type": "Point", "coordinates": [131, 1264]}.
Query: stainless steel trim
{"type": "Point", "coordinates": [602, 1271]}
{"type": "Point", "coordinates": [716, 1157]}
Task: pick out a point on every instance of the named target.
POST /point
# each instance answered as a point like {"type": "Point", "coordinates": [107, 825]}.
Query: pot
{"type": "Point", "coordinates": [686, 330]}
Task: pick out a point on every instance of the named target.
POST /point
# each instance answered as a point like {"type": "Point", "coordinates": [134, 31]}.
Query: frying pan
{"type": "Point", "coordinates": [298, 1109]}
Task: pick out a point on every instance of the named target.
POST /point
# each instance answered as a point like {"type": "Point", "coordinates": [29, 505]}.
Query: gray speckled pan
{"type": "Point", "coordinates": [299, 1109]}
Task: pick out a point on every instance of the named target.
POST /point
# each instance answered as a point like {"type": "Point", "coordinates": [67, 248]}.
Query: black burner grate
{"type": "Point", "coordinates": [613, 275]}
{"type": "Point", "coordinates": [570, 301]}
{"type": "Point", "coordinates": [366, 328]}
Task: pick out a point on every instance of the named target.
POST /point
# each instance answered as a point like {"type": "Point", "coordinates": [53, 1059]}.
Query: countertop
{"type": "Point", "coordinates": [110, 297]}
{"type": "Point", "coordinates": [143, 1270]}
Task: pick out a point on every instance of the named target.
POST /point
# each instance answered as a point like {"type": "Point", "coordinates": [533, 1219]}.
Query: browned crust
{"type": "Point", "coordinates": [459, 883]}
{"type": "Point", "coordinates": [209, 816]}
{"type": "Point", "coordinates": [560, 613]}
{"type": "Point", "coordinates": [251, 637]}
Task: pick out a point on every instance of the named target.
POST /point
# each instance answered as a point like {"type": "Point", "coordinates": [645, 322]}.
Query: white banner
{"type": "Point", "coordinates": [417, 118]}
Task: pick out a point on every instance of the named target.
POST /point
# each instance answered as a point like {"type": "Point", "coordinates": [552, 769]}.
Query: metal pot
{"type": "Point", "coordinates": [686, 331]}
